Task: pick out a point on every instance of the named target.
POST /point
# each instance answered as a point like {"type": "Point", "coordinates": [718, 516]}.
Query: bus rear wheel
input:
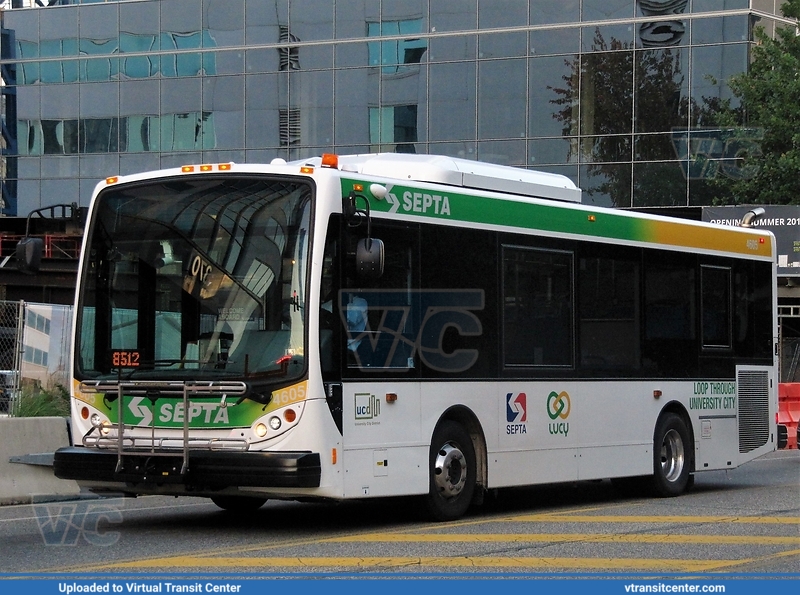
{"type": "Point", "coordinates": [452, 471]}
{"type": "Point", "coordinates": [671, 456]}
{"type": "Point", "coordinates": [238, 503]}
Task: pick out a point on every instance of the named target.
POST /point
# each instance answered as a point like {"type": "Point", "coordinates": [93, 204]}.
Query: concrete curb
{"type": "Point", "coordinates": [30, 440]}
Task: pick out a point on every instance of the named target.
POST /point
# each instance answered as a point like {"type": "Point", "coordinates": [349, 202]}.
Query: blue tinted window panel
{"type": "Point", "coordinates": [542, 42]}
{"type": "Point", "coordinates": [453, 15]}
{"type": "Point", "coordinates": [604, 10]}
{"type": "Point", "coordinates": [503, 152]}
{"type": "Point", "coordinates": [715, 5]}
{"type": "Point", "coordinates": [547, 11]}
{"type": "Point", "coordinates": [503, 45]}
{"type": "Point", "coordinates": [502, 13]}
{"type": "Point", "coordinates": [545, 151]}
{"type": "Point", "coordinates": [261, 60]}
{"type": "Point", "coordinates": [311, 20]}
{"type": "Point", "coordinates": [720, 30]}
{"type": "Point", "coordinates": [452, 102]}
{"type": "Point", "coordinates": [462, 150]}
{"type": "Point", "coordinates": [606, 185]}
{"type": "Point", "coordinates": [502, 114]}
{"type": "Point", "coordinates": [661, 89]}
{"type": "Point", "coordinates": [223, 22]}
{"type": "Point", "coordinates": [553, 106]}
{"type": "Point", "coordinates": [456, 47]}
{"type": "Point", "coordinates": [659, 185]}
{"type": "Point", "coordinates": [224, 98]}
{"type": "Point", "coordinates": [181, 16]}
{"type": "Point", "coordinates": [605, 38]}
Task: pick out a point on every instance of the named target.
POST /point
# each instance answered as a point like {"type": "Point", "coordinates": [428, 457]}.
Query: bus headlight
{"type": "Point", "coordinates": [260, 430]}
{"type": "Point", "coordinates": [275, 422]}
{"type": "Point", "coordinates": [100, 424]}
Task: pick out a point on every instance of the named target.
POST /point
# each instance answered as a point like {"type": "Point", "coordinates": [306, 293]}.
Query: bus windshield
{"type": "Point", "coordinates": [200, 278]}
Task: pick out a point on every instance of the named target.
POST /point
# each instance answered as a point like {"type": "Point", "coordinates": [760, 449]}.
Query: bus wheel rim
{"type": "Point", "coordinates": [450, 470]}
{"type": "Point", "coordinates": [672, 455]}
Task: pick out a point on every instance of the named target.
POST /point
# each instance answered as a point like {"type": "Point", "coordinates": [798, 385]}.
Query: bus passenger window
{"type": "Point", "coordinates": [537, 307]}
{"type": "Point", "coordinates": [715, 309]}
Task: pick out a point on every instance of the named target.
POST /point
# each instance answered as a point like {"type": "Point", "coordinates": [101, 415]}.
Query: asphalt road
{"type": "Point", "coordinates": [741, 521]}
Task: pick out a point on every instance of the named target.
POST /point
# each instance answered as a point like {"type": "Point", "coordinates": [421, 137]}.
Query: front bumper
{"type": "Point", "coordinates": [206, 469]}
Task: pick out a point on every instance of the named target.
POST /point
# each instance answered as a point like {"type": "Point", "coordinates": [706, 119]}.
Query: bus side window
{"type": "Point", "coordinates": [537, 307]}
{"type": "Point", "coordinates": [609, 312]}
{"type": "Point", "coordinates": [670, 338]}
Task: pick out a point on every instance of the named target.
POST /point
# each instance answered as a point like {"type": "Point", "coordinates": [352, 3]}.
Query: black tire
{"type": "Point", "coordinates": [672, 456]}
{"type": "Point", "coordinates": [452, 471]}
{"type": "Point", "coordinates": [238, 503]}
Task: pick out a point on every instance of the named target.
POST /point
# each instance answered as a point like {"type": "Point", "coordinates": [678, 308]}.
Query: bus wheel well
{"type": "Point", "coordinates": [469, 421]}
{"type": "Point", "coordinates": [678, 409]}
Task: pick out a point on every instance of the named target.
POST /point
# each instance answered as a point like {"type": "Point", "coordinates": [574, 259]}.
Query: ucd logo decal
{"type": "Point", "coordinates": [368, 408]}
{"type": "Point", "coordinates": [516, 413]}
{"type": "Point", "coordinates": [558, 406]}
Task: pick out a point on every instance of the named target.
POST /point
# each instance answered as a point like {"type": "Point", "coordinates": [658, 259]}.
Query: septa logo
{"type": "Point", "coordinates": [516, 408]}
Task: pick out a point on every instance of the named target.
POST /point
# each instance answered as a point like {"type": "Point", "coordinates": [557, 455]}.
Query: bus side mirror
{"type": "Point", "coordinates": [369, 258]}
{"type": "Point", "coordinates": [29, 255]}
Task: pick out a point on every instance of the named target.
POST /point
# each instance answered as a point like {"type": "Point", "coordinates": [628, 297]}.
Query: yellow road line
{"type": "Point", "coordinates": [556, 518]}
{"type": "Point", "coordinates": [228, 556]}
{"type": "Point", "coordinates": [564, 537]}
{"type": "Point", "coordinates": [395, 563]}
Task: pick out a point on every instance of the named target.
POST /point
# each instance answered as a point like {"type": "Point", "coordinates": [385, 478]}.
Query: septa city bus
{"type": "Point", "coordinates": [363, 326]}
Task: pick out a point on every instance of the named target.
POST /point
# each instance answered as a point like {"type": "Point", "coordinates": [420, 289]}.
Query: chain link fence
{"type": "Point", "coordinates": [34, 350]}
{"type": "Point", "coordinates": [11, 317]}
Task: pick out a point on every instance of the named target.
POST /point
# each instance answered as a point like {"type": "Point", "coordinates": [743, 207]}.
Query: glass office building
{"type": "Point", "coordinates": [619, 95]}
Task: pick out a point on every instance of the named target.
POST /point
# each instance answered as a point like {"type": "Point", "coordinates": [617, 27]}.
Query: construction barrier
{"type": "Point", "coordinates": [789, 409]}
{"type": "Point", "coordinates": [27, 445]}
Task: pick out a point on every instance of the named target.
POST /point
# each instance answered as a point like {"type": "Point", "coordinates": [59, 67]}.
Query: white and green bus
{"type": "Point", "coordinates": [396, 325]}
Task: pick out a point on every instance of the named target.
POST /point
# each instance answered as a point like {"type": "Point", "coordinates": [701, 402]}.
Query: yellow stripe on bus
{"type": "Point", "coordinates": [709, 238]}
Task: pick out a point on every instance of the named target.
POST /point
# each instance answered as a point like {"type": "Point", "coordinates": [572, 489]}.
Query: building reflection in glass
{"type": "Point", "coordinates": [94, 89]}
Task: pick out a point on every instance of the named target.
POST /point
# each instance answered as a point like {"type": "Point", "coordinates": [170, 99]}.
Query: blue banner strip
{"type": "Point", "coordinates": [371, 585]}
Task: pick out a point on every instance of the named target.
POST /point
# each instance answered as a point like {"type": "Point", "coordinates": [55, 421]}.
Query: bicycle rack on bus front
{"type": "Point", "coordinates": [153, 390]}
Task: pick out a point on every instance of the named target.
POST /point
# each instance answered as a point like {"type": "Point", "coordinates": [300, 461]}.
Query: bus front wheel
{"type": "Point", "coordinates": [238, 503]}
{"type": "Point", "coordinates": [671, 456]}
{"type": "Point", "coordinates": [452, 471]}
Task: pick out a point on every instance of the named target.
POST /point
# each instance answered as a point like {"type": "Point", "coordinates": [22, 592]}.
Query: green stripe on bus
{"type": "Point", "coordinates": [441, 204]}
